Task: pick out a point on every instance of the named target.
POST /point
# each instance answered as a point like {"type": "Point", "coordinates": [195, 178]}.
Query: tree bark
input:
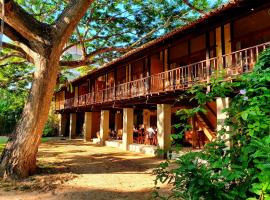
{"type": "Point", "coordinates": [19, 156]}
{"type": "Point", "coordinates": [43, 44]}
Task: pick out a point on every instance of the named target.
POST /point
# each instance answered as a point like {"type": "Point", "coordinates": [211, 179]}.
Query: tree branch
{"type": "Point", "coordinates": [167, 23]}
{"type": "Point", "coordinates": [12, 63]}
{"type": "Point", "coordinates": [88, 61]}
{"type": "Point", "coordinates": [89, 40]}
{"type": "Point", "coordinates": [193, 7]}
{"type": "Point", "coordinates": [81, 42]}
{"type": "Point", "coordinates": [68, 20]}
{"type": "Point", "coordinates": [11, 55]}
{"type": "Point", "coordinates": [21, 48]}
{"type": "Point", "coordinates": [13, 47]}
{"type": "Point", "coordinates": [13, 34]}
{"type": "Point", "coordinates": [75, 63]}
{"type": "Point", "coordinates": [24, 23]}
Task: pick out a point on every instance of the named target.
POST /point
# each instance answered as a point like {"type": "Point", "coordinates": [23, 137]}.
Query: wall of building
{"type": "Point", "coordinates": [251, 30]}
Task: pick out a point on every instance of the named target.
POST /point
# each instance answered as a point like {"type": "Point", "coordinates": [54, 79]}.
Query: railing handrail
{"type": "Point", "coordinates": [214, 58]}
{"type": "Point", "coordinates": [248, 48]}
{"type": "Point", "coordinates": [137, 80]}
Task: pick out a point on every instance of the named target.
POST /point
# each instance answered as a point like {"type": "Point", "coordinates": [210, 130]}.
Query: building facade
{"type": "Point", "coordinates": [141, 88]}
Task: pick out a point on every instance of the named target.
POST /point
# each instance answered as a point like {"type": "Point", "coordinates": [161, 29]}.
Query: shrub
{"type": "Point", "coordinates": [243, 170]}
{"type": "Point", "coordinates": [11, 106]}
{"type": "Point", "coordinates": [51, 126]}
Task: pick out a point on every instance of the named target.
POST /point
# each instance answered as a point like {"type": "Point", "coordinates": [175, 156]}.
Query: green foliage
{"type": "Point", "coordinates": [11, 105]}
{"type": "Point", "coordinates": [243, 170]}
{"type": "Point", "coordinates": [120, 23]}
{"type": "Point", "coordinates": [15, 74]}
{"type": "Point", "coordinates": [51, 126]}
{"type": "Point", "coordinates": [15, 81]}
{"type": "Point", "coordinates": [184, 115]}
{"type": "Point", "coordinates": [3, 141]}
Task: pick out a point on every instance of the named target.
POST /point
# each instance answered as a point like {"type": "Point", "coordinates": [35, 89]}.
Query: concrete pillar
{"type": "Point", "coordinates": [146, 118]}
{"type": "Point", "coordinates": [222, 103]}
{"type": "Point", "coordinates": [72, 126]}
{"type": "Point", "coordinates": [164, 126]}
{"type": "Point", "coordinates": [118, 121]}
{"type": "Point", "coordinates": [91, 125]}
{"type": "Point", "coordinates": [63, 124]}
{"type": "Point", "coordinates": [104, 126]}
{"type": "Point", "coordinates": [128, 114]}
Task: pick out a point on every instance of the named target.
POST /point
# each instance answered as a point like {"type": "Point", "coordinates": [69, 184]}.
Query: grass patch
{"type": "Point", "coordinates": [45, 139]}
{"type": "Point", "coordinates": [3, 141]}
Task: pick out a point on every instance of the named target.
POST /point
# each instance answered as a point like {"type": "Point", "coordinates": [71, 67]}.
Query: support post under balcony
{"type": "Point", "coordinates": [72, 125]}
{"type": "Point", "coordinates": [223, 103]}
{"type": "Point", "coordinates": [91, 124]}
{"type": "Point", "coordinates": [127, 127]}
{"type": "Point", "coordinates": [164, 126]}
{"type": "Point", "coordinates": [104, 126]}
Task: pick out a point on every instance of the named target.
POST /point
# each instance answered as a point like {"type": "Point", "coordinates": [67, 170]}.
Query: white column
{"type": "Point", "coordinates": [91, 125]}
{"type": "Point", "coordinates": [72, 125]}
{"type": "Point", "coordinates": [164, 126]}
{"type": "Point", "coordinates": [104, 126]}
{"type": "Point", "coordinates": [222, 103]}
{"type": "Point", "coordinates": [127, 127]}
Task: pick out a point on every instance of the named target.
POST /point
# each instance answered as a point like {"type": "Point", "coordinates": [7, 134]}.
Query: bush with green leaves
{"type": "Point", "coordinates": [11, 106]}
{"type": "Point", "coordinates": [243, 170]}
{"type": "Point", "coordinates": [52, 125]}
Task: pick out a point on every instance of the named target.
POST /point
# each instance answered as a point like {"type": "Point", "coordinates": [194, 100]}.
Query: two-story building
{"type": "Point", "coordinates": [141, 88]}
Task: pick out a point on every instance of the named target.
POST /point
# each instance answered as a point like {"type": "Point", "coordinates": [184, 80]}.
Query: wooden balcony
{"type": "Point", "coordinates": [227, 66]}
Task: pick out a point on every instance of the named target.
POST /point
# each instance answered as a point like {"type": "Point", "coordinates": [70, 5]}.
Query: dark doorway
{"type": "Point", "coordinates": [79, 124]}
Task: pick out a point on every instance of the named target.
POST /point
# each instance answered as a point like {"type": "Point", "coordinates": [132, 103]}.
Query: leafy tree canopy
{"type": "Point", "coordinates": [111, 28]}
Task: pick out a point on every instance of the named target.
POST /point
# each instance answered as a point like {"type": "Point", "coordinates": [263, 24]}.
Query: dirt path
{"type": "Point", "coordinates": [82, 171]}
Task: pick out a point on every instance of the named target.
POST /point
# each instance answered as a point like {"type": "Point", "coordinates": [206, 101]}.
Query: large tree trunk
{"type": "Point", "coordinates": [43, 45]}
{"type": "Point", "coordinates": [19, 157]}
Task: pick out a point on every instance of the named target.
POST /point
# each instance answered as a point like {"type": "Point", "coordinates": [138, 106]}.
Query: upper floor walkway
{"type": "Point", "coordinates": [225, 67]}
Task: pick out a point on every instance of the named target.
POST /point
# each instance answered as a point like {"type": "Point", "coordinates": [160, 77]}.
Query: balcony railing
{"type": "Point", "coordinates": [227, 66]}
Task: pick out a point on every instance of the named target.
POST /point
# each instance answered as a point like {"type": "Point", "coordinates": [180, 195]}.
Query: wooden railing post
{"type": "Point", "coordinates": [189, 75]}
{"type": "Point", "coordinates": [208, 74]}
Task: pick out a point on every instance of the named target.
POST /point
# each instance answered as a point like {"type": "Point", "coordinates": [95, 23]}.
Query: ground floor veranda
{"type": "Point", "coordinates": [127, 128]}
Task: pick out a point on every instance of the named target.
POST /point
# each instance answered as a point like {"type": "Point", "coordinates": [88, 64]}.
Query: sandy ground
{"type": "Point", "coordinates": [83, 171]}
